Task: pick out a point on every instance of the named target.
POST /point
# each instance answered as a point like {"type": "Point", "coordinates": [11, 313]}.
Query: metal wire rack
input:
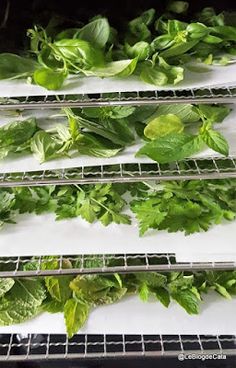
{"type": "Point", "coordinates": [190, 169]}
{"type": "Point", "coordinates": [44, 347]}
{"type": "Point", "coordinates": [191, 95]}
{"type": "Point", "coordinates": [101, 264]}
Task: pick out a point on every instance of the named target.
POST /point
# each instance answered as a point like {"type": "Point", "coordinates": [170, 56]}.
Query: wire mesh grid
{"type": "Point", "coordinates": [101, 264]}
{"type": "Point", "coordinates": [193, 95]}
{"type": "Point", "coordinates": [201, 168]}
{"type": "Point", "coordinates": [34, 347]}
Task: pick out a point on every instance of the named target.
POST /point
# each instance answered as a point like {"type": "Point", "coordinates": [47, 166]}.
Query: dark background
{"type": "Point", "coordinates": [16, 16]}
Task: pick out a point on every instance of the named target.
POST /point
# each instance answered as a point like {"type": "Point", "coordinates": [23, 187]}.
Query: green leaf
{"type": "Point", "coordinates": [215, 141]}
{"type": "Point", "coordinates": [178, 49]}
{"type": "Point", "coordinates": [58, 287]}
{"type": "Point", "coordinates": [188, 300]}
{"type": "Point", "coordinates": [143, 292]}
{"type": "Point", "coordinates": [163, 296]}
{"type": "Point", "coordinates": [214, 113]}
{"type": "Point", "coordinates": [5, 285]}
{"type": "Point", "coordinates": [49, 79]}
{"type": "Point", "coordinates": [13, 66]}
{"type": "Point", "coordinates": [153, 75]}
{"type": "Point", "coordinates": [17, 132]}
{"type": "Point", "coordinates": [185, 112]}
{"type": "Point", "coordinates": [122, 68]}
{"type": "Point", "coordinates": [141, 50]}
{"type": "Point", "coordinates": [148, 214]}
{"type": "Point", "coordinates": [44, 147]}
{"type": "Point", "coordinates": [79, 52]}
{"type": "Point", "coordinates": [96, 32]}
{"type": "Point", "coordinates": [171, 147]}
{"type": "Point", "coordinates": [75, 314]}
{"type": "Point", "coordinates": [94, 145]}
{"type": "Point", "coordinates": [163, 125]}
{"type": "Point", "coordinates": [222, 291]}
{"type": "Point", "coordinates": [22, 302]}
{"type": "Point", "coordinates": [178, 7]}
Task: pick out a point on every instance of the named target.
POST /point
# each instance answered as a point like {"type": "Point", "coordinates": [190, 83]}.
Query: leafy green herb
{"type": "Point", "coordinates": [21, 300]}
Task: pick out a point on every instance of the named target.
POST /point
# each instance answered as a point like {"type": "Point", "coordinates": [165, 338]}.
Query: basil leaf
{"type": "Point", "coordinates": [122, 68]}
{"type": "Point", "coordinates": [44, 147]}
{"type": "Point", "coordinates": [96, 32]}
{"type": "Point", "coordinates": [178, 49]}
{"type": "Point", "coordinates": [141, 50]}
{"type": "Point", "coordinates": [163, 125]}
{"type": "Point", "coordinates": [153, 75]}
{"type": "Point", "coordinates": [17, 133]}
{"type": "Point", "coordinates": [185, 112]}
{"type": "Point", "coordinates": [171, 147]}
{"type": "Point", "coordinates": [49, 79]}
{"type": "Point", "coordinates": [13, 66]}
{"type": "Point", "coordinates": [94, 145]}
{"type": "Point", "coordinates": [215, 141]}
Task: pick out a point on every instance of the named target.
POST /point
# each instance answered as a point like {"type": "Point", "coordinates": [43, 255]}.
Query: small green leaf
{"type": "Point", "coordinates": [96, 32]}
{"type": "Point", "coordinates": [222, 291]}
{"type": "Point", "coordinates": [163, 125]}
{"type": "Point", "coordinates": [153, 75]}
{"type": "Point", "coordinates": [188, 300]}
{"type": "Point", "coordinates": [143, 292]}
{"type": "Point", "coordinates": [141, 50]}
{"type": "Point", "coordinates": [49, 79]}
{"type": "Point", "coordinates": [162, 295]}
{"type": "Point", "coordinates": [215, 141]}
{"type": "Point", "coordinates": [75, 314]}
{"type": "Point", "coordinates": [13, 66]}
{"type": "Point", "coordinates": [122, 68]}
{"type": "Point", "coordinates": [171, 147]}
{"type": "Point", "coordinates": [5, 285]}
{"type": "Point", "coordinates": [44, 147]}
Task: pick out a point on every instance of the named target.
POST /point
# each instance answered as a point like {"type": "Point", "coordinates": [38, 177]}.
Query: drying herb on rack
{"type": "Point", "coordinates": [170, 132]}
{"type": "Point", "coordinates": [188, 206]}
{"type": "Point", "coordinates": [155, 47]}
{"type": "Point", "coordinates": [76, 297]}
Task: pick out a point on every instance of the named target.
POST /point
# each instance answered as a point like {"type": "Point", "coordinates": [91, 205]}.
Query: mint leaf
{"type": "Point", "coordinates": [162, 295]}
{"type": "Point", "coordinates": [215, 141]}
{"type": "Point", "coordinates": [5, 285]}
{"type": "Point", "coordinates": [22, 302]}
{"type": "Point", "coordinates": [188, 300]}
{"type": "Point", "coordinates": [75, 314]}
{"type": "Point", "coordinates": [171, 147]}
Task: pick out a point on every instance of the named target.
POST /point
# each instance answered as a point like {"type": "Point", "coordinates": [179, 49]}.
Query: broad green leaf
{"type": "Point", "coordinates": [162, 295]}
{"type": "Point", "coordinates": [58, 287]}
{"type": "Point", "coordinates": [44, 147]}
{"type": "Point", "coordinates": [153, 75]}
{"type": "Point", "coordinates": [6, 285]}
{"type": "Point", "coordinates": [178, 7]}
{"type": "Point", "coordinates": [214, 113]}
{"type": "Point", "coordinates": [143, 292]}
{"type": "Point", "coordinates": [141, 50]}
{"type": "Point", "coordinates": [115, 68]}
{"type": "Point", "coordinates": [163, 125]}
{"type": "Point", "coordinates": [96, 32]}
{"type": "Point", "coordinates": [188, 300]}
{"type": "Point", "coordinates": [178, 49]}
{"type": "Point", "coordinates": [22, 301]}
{"type": "Point", "coordinates": [172, 147]}
{"type": "Point", "coordinates": [79, 52]}
{"type": "Point", "coordinates": [17, 133]}
{"type": "Point", "coordinates": [49, 79]}
{"type": "Point", "coordinates": [215, 141]}
{"type": "Point", "coordinates": [197, 30]}
{"type": "Point", "coordinates": [222, 291]}
{"type": "Point", "coordinates": [13, 66]}
{"type": "Point", "coordinates": [94, 145]}
{"type": "Point", "coordinates": [184, 111]}
{"type": "Point", "coordinates": [75, 315]}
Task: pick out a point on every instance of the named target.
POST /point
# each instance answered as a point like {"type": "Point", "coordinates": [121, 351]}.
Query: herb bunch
{"type": "Point", "coordinates": [188, 206]}
{"type": "Point", "coordinates": [76, 297]}
{"type": "Point", "coordinates": [170, 132]}
{"type": "Point", "coordinates": [155, 48]}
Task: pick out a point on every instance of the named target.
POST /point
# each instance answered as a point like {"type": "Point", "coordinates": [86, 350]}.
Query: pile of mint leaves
{"type": "Point", "coordinates": [76, 296]}
{"type": "Point", "coordinates": [168, 132]}
{"type": "Point", "coordinates": [185, 206]}
{"type": "Point", "coordinates": [155, 47]}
